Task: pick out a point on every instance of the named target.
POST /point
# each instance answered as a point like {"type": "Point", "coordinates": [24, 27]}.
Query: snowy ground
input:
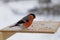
{"type": "Point", "coordinates": [7, 17]}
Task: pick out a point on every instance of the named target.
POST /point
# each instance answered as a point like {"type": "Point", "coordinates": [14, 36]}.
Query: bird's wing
{"type": "Point", "coordinates": [25, 19]}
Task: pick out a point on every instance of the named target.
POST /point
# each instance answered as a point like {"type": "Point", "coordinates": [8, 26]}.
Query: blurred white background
{"type": "Point", "coordinates": [7, 17]}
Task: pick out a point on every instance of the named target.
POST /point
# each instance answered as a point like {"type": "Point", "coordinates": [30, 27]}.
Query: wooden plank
{"type": "Point", "coordinates": [5, 35]}
{"type": "Point", "coordinates": [37, 27]}
{"type": "Point", "coordinates": [8, 34]}
{"type": "Point", "coordinates": [1, 36]}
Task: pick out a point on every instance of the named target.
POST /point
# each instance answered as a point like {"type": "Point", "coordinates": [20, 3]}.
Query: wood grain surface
{"type": "Point", "coordinates": [37, 26]}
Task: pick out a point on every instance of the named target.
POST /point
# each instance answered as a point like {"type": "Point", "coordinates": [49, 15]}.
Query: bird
{"type": "Point", "coordinates": [26, 21]}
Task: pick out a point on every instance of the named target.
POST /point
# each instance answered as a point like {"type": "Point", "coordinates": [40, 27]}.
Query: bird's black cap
{"type": "Point", "coordinates": [33, 15]}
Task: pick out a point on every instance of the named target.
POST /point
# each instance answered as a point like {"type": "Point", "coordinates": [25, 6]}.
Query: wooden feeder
{"type": "Point", "coordinates": [36, 27]}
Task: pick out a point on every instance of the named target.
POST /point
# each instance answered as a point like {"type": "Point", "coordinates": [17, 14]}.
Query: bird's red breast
{"type": "Point", "coordinates": [27, 24]}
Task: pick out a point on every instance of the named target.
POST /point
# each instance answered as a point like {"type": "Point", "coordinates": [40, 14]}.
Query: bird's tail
{"type": "Point", "coordinates": [12, 26]}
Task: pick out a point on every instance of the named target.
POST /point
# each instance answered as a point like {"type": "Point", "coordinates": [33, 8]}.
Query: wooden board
{"type": "Point", "coordinates": [37, 27]}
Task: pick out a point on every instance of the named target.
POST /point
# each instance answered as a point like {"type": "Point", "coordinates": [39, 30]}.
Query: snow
{"type": "Point", "coordinates": [7, 17]}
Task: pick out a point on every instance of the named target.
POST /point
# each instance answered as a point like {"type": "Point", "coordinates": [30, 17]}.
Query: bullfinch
{"type": "Point", "coordinates": [26, 21]}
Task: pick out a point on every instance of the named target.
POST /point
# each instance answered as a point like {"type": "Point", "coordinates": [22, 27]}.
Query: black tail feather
{"type": "Point", "coordinates": [17, 24]}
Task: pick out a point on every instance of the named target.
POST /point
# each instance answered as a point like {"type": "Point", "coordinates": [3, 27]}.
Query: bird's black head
{"type": "Point", "coordinates": [33, 15]}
